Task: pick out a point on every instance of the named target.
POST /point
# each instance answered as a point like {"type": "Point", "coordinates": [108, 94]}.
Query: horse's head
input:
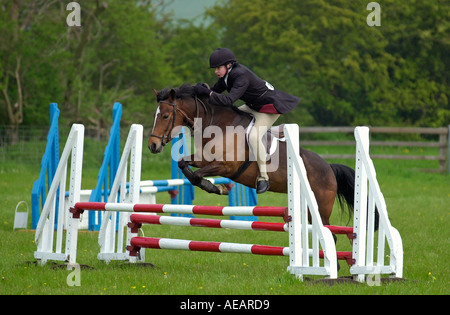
{"type": "Point", "coordinates": [176, 107]}
{"type": "Point", "coordinates": [166, 119]}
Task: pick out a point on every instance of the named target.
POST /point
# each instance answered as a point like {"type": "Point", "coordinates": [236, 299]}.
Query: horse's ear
{"type": "Point", "coordinates": [156, 92]}
{"type": "Point", "coordinates": [172, 94]}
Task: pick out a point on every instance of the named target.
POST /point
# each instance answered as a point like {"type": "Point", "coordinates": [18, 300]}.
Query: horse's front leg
{"type": "Point", "coordinates": [197, 178]}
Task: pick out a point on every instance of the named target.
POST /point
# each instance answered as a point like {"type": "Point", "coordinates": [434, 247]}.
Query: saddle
{"type": "Point", "coordinates": [273, 136]}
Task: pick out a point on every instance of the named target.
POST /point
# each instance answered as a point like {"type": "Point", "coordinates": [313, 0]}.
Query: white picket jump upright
{"type": "Point", "coordinates": [112, 244]}
{"type": "Point", "coordinates": [368, 196]}
{"type": "Point", "coordinates": [44, 236]}
{"type": "Point", "coordinates": [301, 198]}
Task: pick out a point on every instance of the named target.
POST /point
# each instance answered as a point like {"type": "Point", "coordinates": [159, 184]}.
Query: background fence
{"type": "Point", "coordinates": [411, 137]}
{"type": "Point", "coordinates": [27, 144]}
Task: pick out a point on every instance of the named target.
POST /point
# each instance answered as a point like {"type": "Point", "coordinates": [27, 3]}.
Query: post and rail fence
{"type": "Point", "coordinates": [443, 134]}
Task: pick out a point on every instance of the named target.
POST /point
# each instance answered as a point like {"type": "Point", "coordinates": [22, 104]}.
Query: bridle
{"type": "Point", "coordinates": [166, 137]}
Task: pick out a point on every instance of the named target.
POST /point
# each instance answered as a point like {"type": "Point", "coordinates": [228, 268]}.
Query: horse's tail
{"type": "Point", "coordinates": [345, 178]}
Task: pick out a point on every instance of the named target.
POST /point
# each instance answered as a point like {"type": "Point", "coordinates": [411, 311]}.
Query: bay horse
{"type": "Point", "coordinates": [181, 107]}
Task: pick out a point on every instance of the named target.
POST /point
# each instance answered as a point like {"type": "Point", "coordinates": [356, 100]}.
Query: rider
{"type": "Point", "coordinates": [264, 102]}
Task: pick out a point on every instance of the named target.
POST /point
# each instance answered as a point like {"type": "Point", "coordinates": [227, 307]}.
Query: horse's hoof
{"type": "Point", "coordinates": [222, 189]}
{"type": "Point", "coordinates": [262, 186]}
{"type": "Point", "coordinates": [182, 164]}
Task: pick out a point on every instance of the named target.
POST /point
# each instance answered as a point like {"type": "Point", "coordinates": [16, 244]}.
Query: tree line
{"type": "Point", "coordinates": [345, 71]}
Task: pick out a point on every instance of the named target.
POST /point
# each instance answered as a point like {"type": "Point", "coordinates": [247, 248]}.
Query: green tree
{"type": "Point", "coordinates": [123, 58]}
{"type": "Point", "coordinates": [346, 72]}
{"type": "Point", "coordinates": [418, 38]}
{"type": "Point", "coordinates": [27, 53]}
{"type": "Point", "coordinates": [189, 47]}
{"type": "Point", "coordinates": [118, 54]}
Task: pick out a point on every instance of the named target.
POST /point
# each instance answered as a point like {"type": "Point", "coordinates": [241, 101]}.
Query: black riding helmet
{"type": "Point", "coordinates": [220, 57]}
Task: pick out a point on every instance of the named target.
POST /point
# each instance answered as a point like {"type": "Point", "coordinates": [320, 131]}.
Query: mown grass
{"type": "Point", "coordinates": [418, 204]}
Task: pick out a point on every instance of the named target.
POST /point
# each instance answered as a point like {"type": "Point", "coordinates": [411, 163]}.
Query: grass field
{"type": "Point", "coordinates": [418, 205]}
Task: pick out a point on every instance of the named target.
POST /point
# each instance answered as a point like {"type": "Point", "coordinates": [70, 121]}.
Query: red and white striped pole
{"type": "Point", "coordinates": [219, 247]}
{"type": "Point", "coordinates": [183, 209]}
{"type": "Point", "coordinates": [138, 219]}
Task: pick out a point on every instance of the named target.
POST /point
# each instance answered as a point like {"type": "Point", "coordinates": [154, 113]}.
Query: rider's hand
{"type": "Point", "coordinates": [200, 89]}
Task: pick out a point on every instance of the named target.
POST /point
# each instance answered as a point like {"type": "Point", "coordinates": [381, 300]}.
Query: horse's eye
{"type": "Point", "coordinates": [165, 116]}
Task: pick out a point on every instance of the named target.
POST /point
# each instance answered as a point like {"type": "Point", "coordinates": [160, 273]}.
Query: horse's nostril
{"type": "Point", "coordinates": [152, 147]}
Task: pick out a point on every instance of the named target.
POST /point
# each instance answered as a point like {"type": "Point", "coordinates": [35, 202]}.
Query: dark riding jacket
{"type": "Point", "coordinates": [242, 83]}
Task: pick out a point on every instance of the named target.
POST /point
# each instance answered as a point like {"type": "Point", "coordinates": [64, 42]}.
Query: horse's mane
{"type": "Point", "coordinates": [186, 91]}
{"type": "Point", "coordinates": [163, 95]}
{"type": "Point", "coordinates": [183, 92]}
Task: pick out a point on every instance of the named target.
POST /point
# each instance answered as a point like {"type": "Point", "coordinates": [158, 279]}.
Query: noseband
{"type": "Point", "coordinates": [165, 138]}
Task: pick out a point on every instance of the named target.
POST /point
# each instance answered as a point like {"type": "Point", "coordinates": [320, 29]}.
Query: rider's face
{"type": "Point", "coordinates": [221, 71]}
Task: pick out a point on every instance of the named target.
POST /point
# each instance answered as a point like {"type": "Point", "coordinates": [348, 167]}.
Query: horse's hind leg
{"type": "Point", "coordinates": [197, 179]}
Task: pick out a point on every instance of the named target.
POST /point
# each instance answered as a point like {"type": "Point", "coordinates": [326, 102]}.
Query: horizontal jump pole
{"type": "Point", "coordinates": [219, 247]}
{"type": "Point", "coordinates": [348, 230]}
{"type": "Point", "coordinates": [181, 181]}
{"type": "Point", "coordinates": [206, 210]}
{"type": "Point", "coordinates": [148, 189]}
{"type": "Point", "coordinates": [183, 209]}
{"type": "Point", "coordinates": [155, 189]}
{"type": "Point", "coordinates": [138, 219]}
